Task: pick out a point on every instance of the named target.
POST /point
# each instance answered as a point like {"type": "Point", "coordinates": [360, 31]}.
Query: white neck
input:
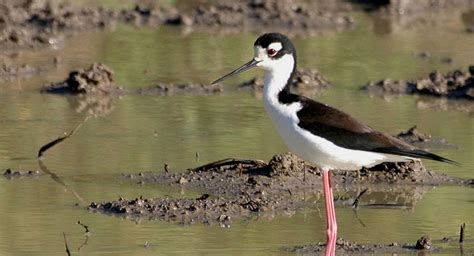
{"type": "Point", "coordinates": [276, 77]}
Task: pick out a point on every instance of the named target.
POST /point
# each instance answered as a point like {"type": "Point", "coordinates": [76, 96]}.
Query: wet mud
{"type": "Point", "coordinates": [239, 188]}
{"type": "Point", "coordinates": [308, 82]}
{"type": "Point", "coordinates": [456, 84]}
{"type": "Point", "coordinates": [33, 23]}
{"type": "Point", "coordinates": [344, 247]}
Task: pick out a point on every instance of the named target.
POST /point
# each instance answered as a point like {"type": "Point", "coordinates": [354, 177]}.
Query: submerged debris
{"type": "Point", "coordinates": [9, 71]}
{"type": "Point", "coordinates": [9, 173]}
{"type": "Point", "coordinates": [306, 81]}
{"type": "Point", "coordinates": [454, 85]}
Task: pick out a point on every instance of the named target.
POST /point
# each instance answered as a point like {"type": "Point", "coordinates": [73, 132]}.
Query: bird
{"type": "Point", "coordinates": [316, 132]}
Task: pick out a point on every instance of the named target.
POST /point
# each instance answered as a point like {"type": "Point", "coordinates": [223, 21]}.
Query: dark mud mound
{"type": "Point", "coordinates": [240, 187]}
{"type": "Point", "coordinates": [344, 247]}
{"type": "Point", "coordinates": [174, 89]}
{"type": "Point", "coordinates": [291, 15]}
{"type": "Point", "coordinates": [453, 85]}
{"type": "Point", "coordinates": [98, 78]}
{"type": "Point", "coordinates": [91, 91]}
{"type": "Point", "coordinates": [308, 82]}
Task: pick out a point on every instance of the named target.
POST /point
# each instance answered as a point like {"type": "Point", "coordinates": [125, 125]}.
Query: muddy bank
{"type": "Point", "coordinates": [32, 23]}
{"type": "Point", "coordinates": [287, 15]}
{"type": "Point", "coordinates": [308, 82]}
{"type": "Point", "coordinates": [237, 188]}
{"type": "Point", "coordinates": [344, 247]}
{"type": "Point", "coordinates": [456, 84]}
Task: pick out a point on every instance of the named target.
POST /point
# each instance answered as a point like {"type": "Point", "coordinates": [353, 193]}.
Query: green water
{"type": "Point", "coordinates": [141, 133]}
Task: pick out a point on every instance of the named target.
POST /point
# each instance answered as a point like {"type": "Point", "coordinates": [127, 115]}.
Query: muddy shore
{"type": "Point", "coordinates": [29, 24]}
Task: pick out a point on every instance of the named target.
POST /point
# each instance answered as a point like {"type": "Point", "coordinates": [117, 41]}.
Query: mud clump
{"type": "Point", "coordinates": [291, 15]}
{"type": "Point", "coordinates": [453, 85]}
{"type": "Point", "coordinates": [238, 188]}
{"type": "Point", "coordinates": [344, 246]}
{"type": "Point", "coordinates": [93, 90]}
{"type": "Point", "coordinates": [422, 140]}
{"type": "Point", "coordinates": [424, 243]}
{"type": "Point", "coordinates": [306, 81]}
{"type": "Point", "coordinates": [98, 78]}
{"type": "Point", "coordinates": [174, 89]}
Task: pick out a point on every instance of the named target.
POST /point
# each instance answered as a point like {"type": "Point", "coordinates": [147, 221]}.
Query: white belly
{"type": "Point", "coordinates": [317, 150]}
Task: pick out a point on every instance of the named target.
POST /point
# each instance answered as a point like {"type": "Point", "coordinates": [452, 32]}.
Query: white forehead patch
{"type": "Point", "coordinates": [276, 46]}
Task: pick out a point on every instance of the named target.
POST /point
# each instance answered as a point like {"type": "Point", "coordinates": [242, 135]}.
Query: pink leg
{"type": "Point", "coordinates": [331, 231]}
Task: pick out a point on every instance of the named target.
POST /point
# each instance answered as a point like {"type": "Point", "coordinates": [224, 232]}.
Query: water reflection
{"type": "Point", "coordinates": [96, 105]}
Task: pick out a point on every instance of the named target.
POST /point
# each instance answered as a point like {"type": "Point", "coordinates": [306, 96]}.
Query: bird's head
{"type": "Point", "coordinates": [272, 52]}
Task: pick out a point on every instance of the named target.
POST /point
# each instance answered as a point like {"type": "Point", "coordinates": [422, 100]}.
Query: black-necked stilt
{"type": "Point", "coordinates": [318, 133]}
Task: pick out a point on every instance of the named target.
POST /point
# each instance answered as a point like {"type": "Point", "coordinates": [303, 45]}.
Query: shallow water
{"type": "Point", "coordinates": [144, 132]}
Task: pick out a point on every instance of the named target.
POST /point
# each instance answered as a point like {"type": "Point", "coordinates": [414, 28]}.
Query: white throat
{"type": "Point", "coordinates": [276, 77]}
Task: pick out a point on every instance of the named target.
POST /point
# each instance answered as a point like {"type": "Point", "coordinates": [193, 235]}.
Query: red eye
{"type": "Point", "coordinates": [271, 52]}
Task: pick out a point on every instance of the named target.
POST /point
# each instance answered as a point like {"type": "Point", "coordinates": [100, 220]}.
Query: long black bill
{"type": "Point", "coordinates": [240, 69]}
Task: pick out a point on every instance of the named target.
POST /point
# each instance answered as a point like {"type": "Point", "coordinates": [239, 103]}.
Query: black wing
{"type": "Point", "coordinates": [346, 131]}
